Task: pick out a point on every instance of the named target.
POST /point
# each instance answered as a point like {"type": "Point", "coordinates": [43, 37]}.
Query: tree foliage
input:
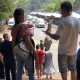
{"type": "Point", "coordinates": [54, 5]}
{"type": "Point", "coordinates": [6, 9]}
{"type": "Point", "coordinates": [47, 5]}
{"type": "Point", "coordinates": [33, 5]}
{"type": "Point", "coordinates": [20, 3]}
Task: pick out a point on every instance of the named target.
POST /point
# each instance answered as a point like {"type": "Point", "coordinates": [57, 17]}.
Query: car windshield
{"type": "Point", "coordinates": [40, 20]}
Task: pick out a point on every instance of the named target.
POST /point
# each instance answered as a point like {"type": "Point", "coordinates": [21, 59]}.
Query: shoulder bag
{"type": "Point", "coordinates": [21, 49]}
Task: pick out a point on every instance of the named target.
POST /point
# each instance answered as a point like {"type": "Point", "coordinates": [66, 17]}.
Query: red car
{"type": "Point", "coordinates": [30, 26]}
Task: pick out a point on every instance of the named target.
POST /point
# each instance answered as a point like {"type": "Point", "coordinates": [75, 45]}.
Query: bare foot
{"type": "Point", "coordinates": [50, 77]}
{"type": "Point", "coordinates": [38, 76]}
{"type": "Point", "coordinates": [46, 77]}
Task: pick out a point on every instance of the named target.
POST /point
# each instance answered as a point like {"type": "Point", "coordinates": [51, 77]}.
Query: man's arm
{"type": "Point", "coordinates": [53, 36]}
{"type": "Point", "coordinates": [59, 31]}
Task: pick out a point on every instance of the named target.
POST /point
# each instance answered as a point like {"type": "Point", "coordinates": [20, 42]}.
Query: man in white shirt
{"type": "Point", "coordinates": [67, 33]}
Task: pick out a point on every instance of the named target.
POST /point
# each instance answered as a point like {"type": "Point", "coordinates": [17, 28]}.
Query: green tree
{"type": "Point", "coordinates": [20, 3]}
{"type": "Point", "coordinates": [54, 5]}
{"type": "Point", "coordinates": [34, 5]}
{"type": "Point", "coordinates": [6, 9]}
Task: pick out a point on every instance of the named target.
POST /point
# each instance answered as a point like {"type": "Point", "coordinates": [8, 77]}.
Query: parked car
{"type": "Point", "coordinates": [11, 22]}
{"type": "Point", "coordinates": [29, 23]}
{"type": "Point", "coordinates": [40, 23]}
{"type": "Point", "coordinates": [30, 26]}
{"type": "Point", "coordinates": [31, 18]}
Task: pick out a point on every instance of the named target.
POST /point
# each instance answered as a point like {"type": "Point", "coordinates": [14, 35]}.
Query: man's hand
{"type": "Point", "coordinates": [46, 32]}
{"type": "Point", "coordinates": [1, 57]}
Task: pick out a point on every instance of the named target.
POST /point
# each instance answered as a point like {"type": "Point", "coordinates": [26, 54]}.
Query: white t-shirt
{"type": "Point", "coordinates": [68, 30]}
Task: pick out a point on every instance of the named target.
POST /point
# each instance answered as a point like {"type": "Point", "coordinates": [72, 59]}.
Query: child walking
{"type": "Point", "coordinates": [48, 67]}
{"type": "Point", "coordinates": [41, 59]}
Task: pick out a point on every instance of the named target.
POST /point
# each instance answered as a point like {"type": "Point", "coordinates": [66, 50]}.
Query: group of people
{"type": "Point", "coordinates": [7, 53]}
{"type": "Point", "coordinates": [45, 59]}
{"type": "Point", "coordinates": [67, 34]}
{"type": "Point", "coordinates": [11, 64]}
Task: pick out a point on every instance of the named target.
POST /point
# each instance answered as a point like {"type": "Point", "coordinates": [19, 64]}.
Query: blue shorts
{"type": "Point", "coordinates": [66, 63]}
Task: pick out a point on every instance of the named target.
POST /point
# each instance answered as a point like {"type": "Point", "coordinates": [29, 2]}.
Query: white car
{"type": "Point", "coordinates": [11, 22]}
{"type": "Point", "coordinates": [40, 23]}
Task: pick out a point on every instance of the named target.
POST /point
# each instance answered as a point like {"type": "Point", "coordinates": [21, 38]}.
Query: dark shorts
{"type": "Point", "coordinates": [66, 63]}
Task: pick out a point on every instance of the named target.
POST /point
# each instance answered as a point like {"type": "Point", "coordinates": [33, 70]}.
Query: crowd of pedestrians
{"type": "Point", "coordinates": [12, 64]}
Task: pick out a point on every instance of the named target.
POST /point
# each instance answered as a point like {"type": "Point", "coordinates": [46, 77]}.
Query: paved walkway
{"type": "Point", "coordinates": [56, 76]}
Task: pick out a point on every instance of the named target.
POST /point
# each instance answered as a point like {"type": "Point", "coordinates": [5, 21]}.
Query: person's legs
{"type": "Point", "coordinates": [40, 69]}
{"type": "Point", "coordinates": [78, 75]}
{"type": "Point", "coordinates": [37, 70]}
{"type": "Point", "coordinates": [78, 69]}
{"type": "Point", "coordinates": [46, 76]}
{"type": "Point", "coordinates": [72, 66]}
{"type": "Point", "coordinates": [2, 74]}
{"type": "Point", "coordinates": [50, 76]}
{"type": "Point", "coordinates": [20, 64]}
{"type": "Point", "coordinates": [73, 75]}
{"type": "Point", "coordinates": [7, 70]}
{"type": "Point", "coordinates": [64, 76]}
{"type": "Point", "coordinates": [62, 62]}
{"type": "Point", "coordinates": [30, 67]}
{"type": "Point", "coordinates": [13, 70]}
